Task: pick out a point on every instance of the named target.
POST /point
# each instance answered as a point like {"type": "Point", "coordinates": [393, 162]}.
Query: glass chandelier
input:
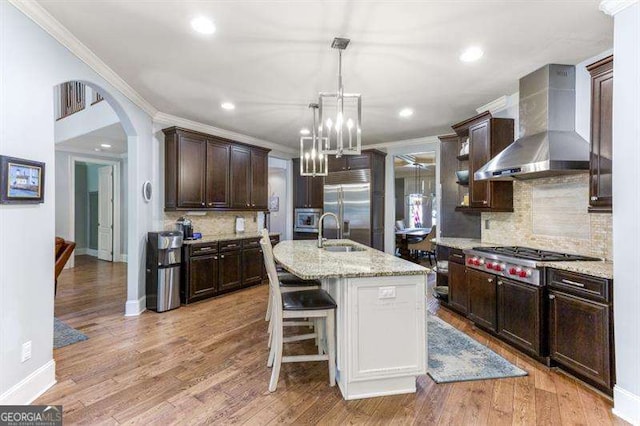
{"type": "Point", "coordinates": [312, 161]}
{"type": "Point", "coordinates": [340, 115]}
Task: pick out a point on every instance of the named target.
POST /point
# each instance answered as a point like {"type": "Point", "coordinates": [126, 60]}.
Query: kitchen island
{"type": "Point", "coordinates": [381, 315]}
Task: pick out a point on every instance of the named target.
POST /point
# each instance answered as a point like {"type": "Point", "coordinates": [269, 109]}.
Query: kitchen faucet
{"type": "Point", "coordinates": [320, 222]}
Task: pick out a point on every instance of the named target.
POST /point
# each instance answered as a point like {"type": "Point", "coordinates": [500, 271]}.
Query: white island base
{"type": "Point", "coordinates": [381, 334]}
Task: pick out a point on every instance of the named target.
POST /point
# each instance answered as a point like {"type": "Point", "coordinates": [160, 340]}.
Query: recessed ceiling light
{"type": "Point", "coordinates": [405, 112]}
{"type": "Point", "coordinates": [228, 106]}
{"type": "Point", "coordinates": [471, 54]}
{"type": "Point", "coordinates": [304, 131]}
{"type": "Point", "coordinates": [105, 145]}
{"type": "Point", "coordinates": [203, 25]}
{"type": "Point", "coordinates": [97, 149]}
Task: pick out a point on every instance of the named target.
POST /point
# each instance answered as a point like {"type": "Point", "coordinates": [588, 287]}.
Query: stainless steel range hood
{"type": "Point", "coordinates": [549, 144]}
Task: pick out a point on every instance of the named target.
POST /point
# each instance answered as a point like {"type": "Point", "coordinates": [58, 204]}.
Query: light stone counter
{"type": "Point", "coordinates": [602, 269]}
{"type": "Point", "coordinates": [306, 260]}
{"type": "Point", "coordinates": [459, 243]}
{"type": "Point", "coordinates": [225, 237]}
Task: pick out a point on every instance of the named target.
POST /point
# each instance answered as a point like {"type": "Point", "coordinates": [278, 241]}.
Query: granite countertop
{"type": "Point", "coordinates": [304, 259]}
{"type": "Point", "coordinates": [228, 236]}
{"type": "Point", "coordinates": [595, 268]}
{"type": "Point", "coordinates": [458, 243]}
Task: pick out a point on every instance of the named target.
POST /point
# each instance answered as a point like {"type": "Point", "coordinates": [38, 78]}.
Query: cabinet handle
{"type": "Point", "coordinates": [247, 204]}
{"type": "Point", "coordinates": [232, 245]}
{"type": "Point", "coordinates": [551, 296]}
{"type": "Point", "coordinates": [215, 257]}
{"type": "Point", "coordinates": [253, 205]}
{"type": "Point", "coordinates": [484, 201]}
{"type": "Point", "coordinates": [594, 198]}
{"type": "Point", "coordinates": [499, 282]}
{"type": "Point", "coordinates": [459, 256]}
{"type": "Point", "coordinates": [573, 283]}
{"type": "Point", "coordinates": [203, 204]}
{"type": "Point", "coordinates": [490, 280]}
{"type": "Point", "coordinates": [210, 204]}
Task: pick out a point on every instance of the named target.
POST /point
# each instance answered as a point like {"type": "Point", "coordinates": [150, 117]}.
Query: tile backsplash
{"type": "Point", "coordinates": [551, 213]}
{"type": "Point", "coordinates": [214, 223]}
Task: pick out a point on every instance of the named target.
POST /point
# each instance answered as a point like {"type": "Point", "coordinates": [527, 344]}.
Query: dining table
{"type": "Point", "coordinates": [404, 235]}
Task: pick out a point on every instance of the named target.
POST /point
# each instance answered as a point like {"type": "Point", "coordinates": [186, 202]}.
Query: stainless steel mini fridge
{"type": "Point", "coordinates": [348, 195]}
{"type": "Point", "coordinates": [163, 270]}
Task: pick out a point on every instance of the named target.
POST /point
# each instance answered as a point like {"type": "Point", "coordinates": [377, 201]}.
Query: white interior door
{"type": "Point", "coordinates": [105, 213]}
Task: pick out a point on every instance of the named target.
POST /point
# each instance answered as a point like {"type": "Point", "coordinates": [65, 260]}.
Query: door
{"type": "Point", "coordinates": [356, 212]}
{"type": "Point", "coordinates": [252, 266]}
{"type": "Point", "coordinates": [332, 204]}
{"type": "Point", "coordinates": [191, 166]}
{"type": "Point", "coordinates": [203, 276]}
{"type": "Point", "coordinates": [299, 186]}
{"type": "Point", "coordinates": [520, 315]}
{"type": "Point", "coordinates": [259, 179]}
{"type": "Point", "coordinates": [230, 276]}
{"type": "Point", "coordinates": [458, 293]}
{"type": "Point", "coordinates": [337, 164]}
{"type": "Point", "coordinates": [240, 177]}
{"type": "Point", "coordinates": [579, 336]}
{"type": "Point", "coordinates": [479, 155]}
{"type": "Point", "coordinates": [357, 162]}
{"type": "Point", "coordinates": [315, 190]}
{"type": "Point", "coordinates": [217, 181]}
{"type": "Point", "coordinates": [105, 213]}
{"type": "Point", "coordinates": [482, 298]}
{"type": "Point", "coordinates": [601, 195]}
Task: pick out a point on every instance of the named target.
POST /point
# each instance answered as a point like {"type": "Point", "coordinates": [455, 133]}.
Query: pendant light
{"type": "Point", "coordinates": [312, 161]}
{"type": "Point", "coordinates": [340, 115]}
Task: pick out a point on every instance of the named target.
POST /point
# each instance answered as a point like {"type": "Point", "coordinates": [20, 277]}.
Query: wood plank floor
{"type": "Point", "coordinates": [206, 363]}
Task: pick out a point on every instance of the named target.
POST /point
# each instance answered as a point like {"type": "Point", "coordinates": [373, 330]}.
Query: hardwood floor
{"type": "Point", "coordinates": [206, 363]}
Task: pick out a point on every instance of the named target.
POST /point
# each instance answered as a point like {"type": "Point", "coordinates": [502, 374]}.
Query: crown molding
{"type": "Point", "coordinates": [611, 7]}
{"type": "Point", "coordinates": [51, 25]}
{"type": "Point", "coordinates": [172, 120]}
{"type": "Point", "coordinates": [403, 143]}
{"type": "Point", "coordinates": [494, 106]}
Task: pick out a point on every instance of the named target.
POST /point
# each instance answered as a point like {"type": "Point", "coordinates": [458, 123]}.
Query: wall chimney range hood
{"type": "Point", "coordinates": [548, 143]}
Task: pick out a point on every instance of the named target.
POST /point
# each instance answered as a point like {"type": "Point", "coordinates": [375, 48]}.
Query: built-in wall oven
{"type": "Point", "coordinates": [306, 220]}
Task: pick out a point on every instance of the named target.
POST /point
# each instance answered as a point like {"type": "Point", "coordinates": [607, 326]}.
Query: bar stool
{"type": "Point", "coordinates": [316, 304]}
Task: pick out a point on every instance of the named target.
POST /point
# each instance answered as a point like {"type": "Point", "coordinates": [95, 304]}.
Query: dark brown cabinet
{"type": "Point", "coordinates": [230, 267]}
{"type": "Point", "coordinates": [253, 271]}
{"type": "Point", "coordinates": [482, 298]}
{"type": "Point", "coordinates": [349, 162]}
{"type": "Point", "coordinates": [487, 137]}
{"type": "Point", "coordinates": [308, 191]}
{"type": "Point", "coordinates": [204, 276]}
{"type": "Point", "coordinates": [204, 172]}
{"type": "Point", "coordinates": [601, 161]}
{"type": "Point", "coordinates": [520, 318]}
{"type": "Point", "coordinates": [458, 288]}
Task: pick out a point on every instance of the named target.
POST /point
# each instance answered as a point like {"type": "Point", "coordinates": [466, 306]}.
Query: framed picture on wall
{"type": "Point", "coordinates": [21, 181]}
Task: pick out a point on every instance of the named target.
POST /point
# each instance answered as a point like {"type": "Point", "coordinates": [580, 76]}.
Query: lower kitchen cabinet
{"type": "Point", "coordinates": [482, 298]}
{"type": "Point", "coordinates": [458, 290]}
{"type": "Point", "coordinates": [230, 270]}
{"type": "Point", "coordinates": [253, 271]}
{"type": "Point", "coordinates": [520, 315]}
{"type": "Point", "coordinates": [579, 337]}
{"type": "Point", "coordinates": [203, 276]}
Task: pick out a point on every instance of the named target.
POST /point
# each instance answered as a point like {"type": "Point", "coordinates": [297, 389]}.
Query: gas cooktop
{"type": "Point", "coordinates": [532, 254]}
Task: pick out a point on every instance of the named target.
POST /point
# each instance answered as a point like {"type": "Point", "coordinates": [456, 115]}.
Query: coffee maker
{"type": "Point", "coordinates": [184, 225]}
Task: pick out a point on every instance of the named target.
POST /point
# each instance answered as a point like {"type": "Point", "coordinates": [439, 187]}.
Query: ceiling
{"type": "Point", "coordinates": [271, 58]}
{"type": "Point", "coordinates": [113, 135]}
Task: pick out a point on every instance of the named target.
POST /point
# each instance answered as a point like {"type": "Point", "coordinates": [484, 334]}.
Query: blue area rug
{"type": "Point", "coordinates": [456, 357]}
{"type": "Point", "coordinates": [63, 335]}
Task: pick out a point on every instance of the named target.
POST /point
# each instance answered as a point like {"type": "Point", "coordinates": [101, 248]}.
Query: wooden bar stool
{"type": "Point", "coordinates": [315, 303]}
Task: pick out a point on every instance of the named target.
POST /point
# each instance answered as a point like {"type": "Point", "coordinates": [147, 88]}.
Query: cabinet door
{"type": "Point", "coordinates": [252, 266]}
{"type": "Point", "coordinates": [240, 177]}
{"type": "Point", "coordinates": [337, 164]}
{"type": "Point", "coordinates": [458, 292]}
{"type": "Point", "coordinates": [579, 336]}
{"type": "Point", "coordinates": [519, 314]}
{"type": "Point", "coordinates": [482, 298]}
{"type": "Point", "coordinates": [479, 155]}
{"type": "Point", "coordinates": [230, 276]}
{"type": "Point", "coordinates": [191, 172]}
{"type": "Point", "coordinates": [315, 192]}
{"type": "Point", "coordinates": [203, 276]}
{"type": "Point", "coordinates": [259, 179]}
{"type": "Point", "coordinates": [218, 158]}
{"type": "Point", "coordinates": [299, 186]}
{"type": "Point", "coordinates": [357, 162]}
{"type": "Point", "coordinates": [600, 188]}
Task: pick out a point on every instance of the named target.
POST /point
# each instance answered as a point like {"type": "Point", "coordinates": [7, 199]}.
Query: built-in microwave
{"type": "Point", "coordinates": [306, 220]}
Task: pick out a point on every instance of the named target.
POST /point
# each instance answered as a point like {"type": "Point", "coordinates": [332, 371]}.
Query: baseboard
{"type": "Point", "coordinates": [31, 387]}
{"type": "Point", "coordinates": [626, 405]}
{"type": "Point", "coordinates": [81, 251]}
{"type": "Point", "coordinates": [122, 258]}
{"type": "Point", "coordinates": [91, 252]}
{"type": "Point", "coordinates": [134, 308]}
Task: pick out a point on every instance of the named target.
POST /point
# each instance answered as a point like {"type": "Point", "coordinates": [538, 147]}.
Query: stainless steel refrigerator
{"type": "Point", "coordinates": [348, 195]}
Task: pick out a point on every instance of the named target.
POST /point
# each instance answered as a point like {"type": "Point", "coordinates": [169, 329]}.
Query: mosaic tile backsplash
{"type": "Point", "coordinates": [214, 223]}
{"type": "Point", "coordinates": [551, 213]}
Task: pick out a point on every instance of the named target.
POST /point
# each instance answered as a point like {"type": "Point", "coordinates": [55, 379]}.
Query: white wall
{"type": "Point", "coordinates": [92, 117]}
{"type": "Point", "coordinates": [33, 63]}
{"type": "Point", "coordinates": [626, 196]}
{"type": "Point", "coordinates": [281, 183]}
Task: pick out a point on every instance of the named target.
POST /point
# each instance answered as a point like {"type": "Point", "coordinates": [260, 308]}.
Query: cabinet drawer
{"type": "Point", "coordinates": [230, 245]}
{"type": "Point", "coordinates": [252, 243]}
{"type": "Point", "coordinates": [202, 249]}
{"type": "Point", "coordinates": [456, 255]}
{"type": "Point", "coordinates": [581, 285]}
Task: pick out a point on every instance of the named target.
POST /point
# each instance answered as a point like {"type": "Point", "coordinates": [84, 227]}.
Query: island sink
{"type": "Point", "coordinates": [343, 248]}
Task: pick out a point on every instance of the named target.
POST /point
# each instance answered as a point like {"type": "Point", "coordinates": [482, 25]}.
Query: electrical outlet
{"type": "Point", "coordinates": [386, 292]}
{"type": "Point", "coordinates": [26, 351]}
{"type": "Point", "coordinates": [487, 224]}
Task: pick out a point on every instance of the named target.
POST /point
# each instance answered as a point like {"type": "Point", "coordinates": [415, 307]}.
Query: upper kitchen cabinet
{"type": "Point", "coordinates": [204, 172]}
{"type": "Point", "coordinates": [487, 136]}
{"type": "Point", "coordinates": [349, 162]}
{"type": "Point", "coordinates": [308, 191]}
{"type": "Point", "coordinates": [600, 171]}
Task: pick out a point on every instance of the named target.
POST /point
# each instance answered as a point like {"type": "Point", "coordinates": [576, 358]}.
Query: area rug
{"type": "Point", "coordinates": [456, 357]}
{"type": "Point", "coordinates": [63, 335]}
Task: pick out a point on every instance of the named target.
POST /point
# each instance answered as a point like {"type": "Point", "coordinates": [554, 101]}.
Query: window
{"type": "Point", "coordinates": [72, 98]}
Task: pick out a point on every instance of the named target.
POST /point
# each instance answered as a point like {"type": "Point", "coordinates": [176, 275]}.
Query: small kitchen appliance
{"type": "Point", "coordinates": [163, 270]}
{"type": "Point", "coordinates": [184, 225]}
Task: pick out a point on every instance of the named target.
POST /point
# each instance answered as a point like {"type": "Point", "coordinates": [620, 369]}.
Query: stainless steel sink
{"type": "Point", "coordinates": [343, 249]}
